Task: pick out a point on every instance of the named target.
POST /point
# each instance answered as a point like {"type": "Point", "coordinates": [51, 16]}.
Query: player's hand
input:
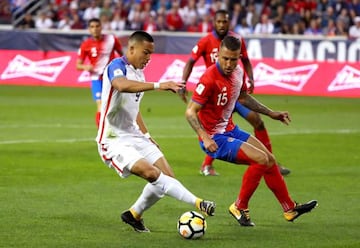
{"type": "Point", "coordinates": [283, 116]}
{"type": "Point", "coordinates": [251, 86]}
{"type": "Point", "coordinates": [183, 93]}
{"type": "Point", "coordinates": [210, 144]}
{"type": "Point", "coordinates": [88, 68]}
{"type": "Point", "coordinates": [171, 86]}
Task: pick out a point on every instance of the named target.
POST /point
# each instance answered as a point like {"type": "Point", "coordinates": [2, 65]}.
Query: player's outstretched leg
{"type": "Point", "coordinates": [277, 185]}
{"type": "Point", "coordinates": [152, 192]}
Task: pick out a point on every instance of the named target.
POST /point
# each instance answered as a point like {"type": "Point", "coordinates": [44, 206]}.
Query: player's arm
{"type": "Point", "coordinates": [143, 128]}
{"type": "Point", "coordinates": [141, 124]}
{"type": "Point", "coordinates": [253, 104]}
{"type": "Point", "coordinates": [249, 72]}
{"type": "Point", "coordinates": [80, 65]}
{"type": "Point", "coordinates": [187, 70]}
{"type": "Point", "coordinates": [247, 66]}
{"type": "Point", "coordinates": [80, 62]}
{"type": "Point", "coordinates": [185, 76]}
{"type": "Point", "coordinates": [123, 84]}
{"type": "Point", "coordinates": [192, 117]}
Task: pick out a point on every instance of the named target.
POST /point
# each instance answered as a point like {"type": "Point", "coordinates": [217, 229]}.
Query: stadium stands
{"type": "Point", "coordinates": [310, 17]}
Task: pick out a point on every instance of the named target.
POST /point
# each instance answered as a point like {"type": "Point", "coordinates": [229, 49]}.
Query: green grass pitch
{"type": "Point", "coordinates": [55, 191]}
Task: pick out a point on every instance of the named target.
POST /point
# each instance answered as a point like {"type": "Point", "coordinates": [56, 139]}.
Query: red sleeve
{"type": "Point", "coordinates": [199, 49]}
{"type": "Point", "coordinates": [202, 90]}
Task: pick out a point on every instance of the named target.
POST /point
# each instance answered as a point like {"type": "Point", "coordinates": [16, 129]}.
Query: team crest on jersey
{"type": "Point", "coordinates": [117, 72]}
{"type": "Point", "coordinates": [200, 88]}
{"type": "Point", "coordinates": [195, 49]}
{"type": "Point", "coordinates": [230, 139]}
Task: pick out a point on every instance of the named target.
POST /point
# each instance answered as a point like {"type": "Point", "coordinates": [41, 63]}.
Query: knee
{"type": "Point", "coordinates": [267, 160]}
{"type": "Point", "coordinates": [255, 120]}
{"type": "Point", "coordinates": [272, 159]}
{"type": "Point", "coordinates": [151, 175]}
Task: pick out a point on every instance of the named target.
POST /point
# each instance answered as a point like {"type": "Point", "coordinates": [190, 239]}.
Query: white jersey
{"type": "Point", "coordinates": [118, 109]}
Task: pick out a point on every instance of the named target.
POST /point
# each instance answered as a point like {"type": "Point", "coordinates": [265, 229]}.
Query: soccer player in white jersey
{"type": "Point", "coordinates": [124, 142]}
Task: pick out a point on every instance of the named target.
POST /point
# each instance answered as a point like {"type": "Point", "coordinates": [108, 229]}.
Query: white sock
{"type": "Point", "coordinates": [172, 187]}
{"type": "Point", "coordinates": [149, 196]}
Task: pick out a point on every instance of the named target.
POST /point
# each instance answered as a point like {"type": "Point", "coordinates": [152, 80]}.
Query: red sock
{"type": "Point", "coordinates": [207, 161]}
{"type": "Point", "coordinates": [263, 136]}
{"type": "Point", "coordinates": [97, 119]}
{"type": "Point", "coordinates": [275, 181]}
{"type": "Point", "coordinates": [250, 182]}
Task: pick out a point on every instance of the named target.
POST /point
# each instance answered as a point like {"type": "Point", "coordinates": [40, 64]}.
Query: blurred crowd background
{"type": "Point", "coordinates": [305, 17]}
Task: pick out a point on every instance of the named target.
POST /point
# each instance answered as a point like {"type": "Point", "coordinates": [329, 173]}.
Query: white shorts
{"type": "Point", "coordinates": [122, 153]}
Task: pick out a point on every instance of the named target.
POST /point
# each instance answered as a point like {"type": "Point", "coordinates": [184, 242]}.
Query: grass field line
{"type": "Point", "coordinates": [55, 125]}
{"type": "Point", "coordinates": [176, 136]}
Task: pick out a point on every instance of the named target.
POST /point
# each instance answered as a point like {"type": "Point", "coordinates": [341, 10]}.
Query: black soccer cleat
{"type": "Point", "coordinates": [283, 170]}
{"type": "Point", "coordinates": [299, 210]}
{"type": "Point", "coordinates": [138, 225]}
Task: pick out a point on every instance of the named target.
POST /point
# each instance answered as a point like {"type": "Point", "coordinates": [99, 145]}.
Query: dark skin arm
{"type": "Point", "coordinates": [249, 72]}
{"type": "Point", "coordinates": [186, 74]}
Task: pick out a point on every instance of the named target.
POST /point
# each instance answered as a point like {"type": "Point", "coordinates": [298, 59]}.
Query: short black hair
{"type": "Point", "coordinates": [97, 20]}
{"type": "Point", "coordinates": [231, 42]}
{"type": "Point", "coordinates": [141, 36]}
{"type": "Point", "coordinates": [221, 12]}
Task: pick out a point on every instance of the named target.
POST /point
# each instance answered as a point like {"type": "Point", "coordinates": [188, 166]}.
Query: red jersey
{"type": "Point", "coordinates": [99, 52]}
{"type": "Point", "coordinates": [218, 94]}
{"type": "Point", "coordinates": [208, 48]}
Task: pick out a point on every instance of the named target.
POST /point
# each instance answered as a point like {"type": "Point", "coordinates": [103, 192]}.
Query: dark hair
{"type": "Point", "coordinates": [221, 12]}
{"type": "Point", "coordinates": [140, 36]}
{"type": "Point", "coordinates": [230, 42]}
{"type": "Point", "coordinates": [94, 20]}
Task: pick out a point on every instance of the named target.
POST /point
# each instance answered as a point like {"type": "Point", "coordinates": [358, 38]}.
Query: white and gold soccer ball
{"type": "Point", "coordinates": [191, 225]}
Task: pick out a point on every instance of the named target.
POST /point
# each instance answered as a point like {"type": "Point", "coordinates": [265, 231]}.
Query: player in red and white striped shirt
{"type": "Point", "coordinates": [208, 47]}
{"type": "Point", "coordinates": [99, 49]}
{"type": "Point", "coordinates": [209, 113]}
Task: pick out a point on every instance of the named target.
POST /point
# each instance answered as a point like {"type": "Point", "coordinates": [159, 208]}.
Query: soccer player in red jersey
{"type": "Point", "coordinates": [99, 49]}
{"type": "Point", "coordinates": [208, 47]}
{"type": "Point", "coordinates": [209, 113]}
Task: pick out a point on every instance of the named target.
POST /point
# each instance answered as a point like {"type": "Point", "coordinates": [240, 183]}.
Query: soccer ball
{"type": "Point", "coordinates": [191, 225]}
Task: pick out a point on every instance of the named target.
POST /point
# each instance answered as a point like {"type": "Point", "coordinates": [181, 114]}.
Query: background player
{"type": "Point", "coordinates": [208, 47]}
{"type": "Point", "coordinates": [123, 140]}
{"type": "Point", "coordinates": [100, 49]}
{"type": "Point", "coordinates": [209, 113]}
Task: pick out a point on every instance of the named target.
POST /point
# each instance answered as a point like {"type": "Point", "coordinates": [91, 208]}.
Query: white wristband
{"type": "Point", "coordinates": [156, 86]}
{"type": "Point", "coordinates": [147, 135]}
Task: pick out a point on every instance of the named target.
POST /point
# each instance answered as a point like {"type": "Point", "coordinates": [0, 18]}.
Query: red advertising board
{"type": "Point", "coordinates": [333, 79]}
